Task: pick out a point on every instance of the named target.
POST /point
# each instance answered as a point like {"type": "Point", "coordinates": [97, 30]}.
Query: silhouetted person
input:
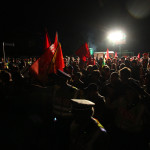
{"type": "Point", "coordinates": [128, 132]}
{"type": "Point", "coordinates": [61, 109]}
{"type": "Point", "coordinates": [91, 93]}
{"type": "Point", "coordinates": [86, 132]}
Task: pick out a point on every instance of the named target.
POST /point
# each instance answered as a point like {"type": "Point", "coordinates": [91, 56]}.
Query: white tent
{"type": "Point", "coordinates": [98, 55]}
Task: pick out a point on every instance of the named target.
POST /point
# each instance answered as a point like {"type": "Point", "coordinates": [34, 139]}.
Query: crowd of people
{"type": "Point", "coordinates": [103, 105]}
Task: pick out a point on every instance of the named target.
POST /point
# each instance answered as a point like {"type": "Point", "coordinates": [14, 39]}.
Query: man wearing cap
{"type": "Point", "coordinates": [86, 133]}
{"type": "Point", "coordinates": [63, 92]}
{"type": "Point", "coordinates": [91, 93]}
{"type": "Point", "coordinates": [61, 108]}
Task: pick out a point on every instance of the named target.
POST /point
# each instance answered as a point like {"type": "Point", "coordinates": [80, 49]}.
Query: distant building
{"type": "Point", "coordinates": [98, 55]}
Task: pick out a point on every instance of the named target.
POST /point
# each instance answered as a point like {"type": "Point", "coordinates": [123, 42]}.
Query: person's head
{"type": "Point", "coordinates": [145, 56]}
{"type": "Point", "coordinates": [5, 77]}
{"type": "Point", "coordinates": [62, 77]}
{"type": "Point", "coordinates": [122, 65]}
{"type": "Point", "coordinates": [125, 73]}
{"type": "Point", "coordinates": [91, 90]}
{"type": "Point", "coordinates": [65, 61]}
{"type": "Point", "coordinates": [82, 109]}
{"type": "Point", "coordinates": [134, 57]}
{"type": "Point", "coordinates": [34, 59]}
{"type": "Point", "coordinates": [2, 59]}
{"type": "Point", "coordinates": [100, 60]}
{"type": "Point", "coordinates": [122, 59]}
{"type": "Point", "coordinates": [69, 70]}
{"type": "Point", "coordinates": [95, 67]}
{"type": "Point", "coordinates": [77, 76]}
{"type": "Point", "coordinates": [134, 63]}
{"type": "Point", "coordinates": [128, 58]}
{"type": "Point", "coordinates": [114, 60]}
{"type": "Point", "coordinates": [89, 68]}
{"type": "Point", "coordinates": [106, 72]}
{"type": "Point", "coordinates": [95, 74]}
{"type": "Point", "coordinates": [114, 78]}
{"type": "Point", "coordinates": [108, 61]}
{"type": "Point", "coordinates": [113, 66]}
{"type": "Point", "coordinates": [127, 63]}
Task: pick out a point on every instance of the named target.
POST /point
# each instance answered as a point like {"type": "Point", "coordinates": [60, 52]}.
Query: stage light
{"type": "Point", "coordinates": [117, 37]}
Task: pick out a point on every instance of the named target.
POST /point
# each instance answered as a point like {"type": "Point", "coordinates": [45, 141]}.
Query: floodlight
{"type": "Point", "coordinates": [117, 37]}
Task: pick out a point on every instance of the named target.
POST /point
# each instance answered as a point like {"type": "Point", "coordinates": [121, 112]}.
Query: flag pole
{"type": "Point", "coordinates": [120, 50]}
{"type": "Point", "coordinates": [6, 44]}
{"type": "Point", "coordinates": [4, 51]}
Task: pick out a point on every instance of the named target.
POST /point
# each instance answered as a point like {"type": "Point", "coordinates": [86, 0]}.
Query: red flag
{"type": "Point", "coordinates": [57, 60]}
{"type": "Point", "coordinates": [116, 54]}
{"type": "Point", "coordinates": [56, 40]}
{"type": "Point", "coordinates": [47, 41]}
{"type": "Point", "coordinates": [83, 52]}
{"type": "Point", "coordinates": [53, 47]}
{"type": "Point", "coordinates": [107, 54]}
{"type": "Point", "coordinates": [39, 69]}
{"type": "Point", "coordinates": [138, 55]}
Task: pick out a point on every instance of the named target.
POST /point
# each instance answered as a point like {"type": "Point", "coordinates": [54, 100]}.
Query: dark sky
{"type": "Point", "coordinates": [76, 22]}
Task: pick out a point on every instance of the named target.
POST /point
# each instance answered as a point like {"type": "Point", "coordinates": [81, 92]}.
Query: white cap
{"type": "Point", "coordinates": [81, 104]}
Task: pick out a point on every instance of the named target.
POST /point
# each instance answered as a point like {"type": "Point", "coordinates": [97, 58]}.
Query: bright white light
{"type": "Point", "coordinates": [116, 36]}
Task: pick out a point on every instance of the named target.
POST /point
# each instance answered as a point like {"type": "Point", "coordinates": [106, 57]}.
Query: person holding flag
{"type": "Point", "coordinates": [48, 62]}
{"type": "Point", "coordinates": [83, 52]}
{"type": "Point", "coordinates": [104, 60]}
{"type": "Point", "coordinates": [57, 61]}
{"type": "Point", "coordinates": [107, 54]}
{"type": "Point", "coordinates": [138, 56]}
{"type": "Point", "coordinates": [116, 56]}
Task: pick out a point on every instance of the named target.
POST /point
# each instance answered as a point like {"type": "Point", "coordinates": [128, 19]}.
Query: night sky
{"type": "Point", "coordinates": [76, 22]}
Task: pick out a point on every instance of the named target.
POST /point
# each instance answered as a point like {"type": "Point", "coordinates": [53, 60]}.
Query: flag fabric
{"type": "Point", "coordinates": [56, 40]}
{"type": "Point", "coordinates": [39, 69]}
{"type": "Point", "coordinates": [52, 48]}
{"type": "Point", "coordinates": [107, 54]}
{"type": "Point", "coordinates": [116, 54]}
{"type": "Point", "coordinates": [47, 41]}
{"type": "Point", "coordinates": [83, 52]}
{"type": "Point", "coordinates": [49, 62]}
{"type": "Point", "coordinates": [138, 56]}
{"type": "Point", "coordinates": [104, 61]}
{"type": "Point", "coordinates": [55, 44]}
{"type": "Point", "coordinates": [57, 61]}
